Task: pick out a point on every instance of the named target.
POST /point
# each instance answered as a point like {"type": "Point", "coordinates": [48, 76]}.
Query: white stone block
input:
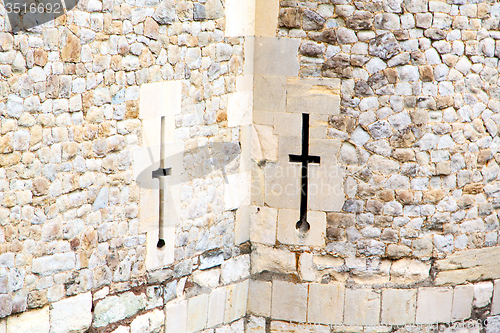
{"type": "Point", "coordinates": [282, 184]}
{"type": "Point", "coordinates": [3, 325]}
{"type": "Point", "coordinates": [326, 303]}
{"type": "Point", "coordinates": [325, 190]}
{"type": "Point", "coordinates": [289, 301]}
{"type": "Point", "coordinates": [495, 303]}
{"type": "Point", "coordinates": [289, 234]}
{"type": "Point", "coordinates": [264, 143]}
{"type": "Point", "coordinates": [482, 294]}
{"type": "Point", "coordinates": [176, 317]}
{"type": "Point", "coordinates": [462, 302]}
{"type": "Point", "coordinates": [240, 18]}
{"type": "Point", "coordinates": [235, 269]}
{"type": "Point", "coordinates": [398, 306]}
{"type": "Point", "coordinates": [259, 298]}
{"type": "Point", "coordinates": [160, 99]}
{"type": "Point", "coordinates": [362, 307]}
{"type": "Point", "coordinates": [242, 225]}
{"type": "Point", "coordinates": [236, 301]}
{"type": "Point", "coordinates": [288, 124]}
{"type": "Point", "coordinates": [236, 191]}
{"type": "Point", "coordinates": [434, 305]}
{"type": "Point", "coordinates": [32, 321]}
{"type": "Point", "coordinates": [263, 224]}
{"type": "Point", "coordinates": [276, 56]}
{"type": "Point", "coordinates": [197, 313]}
{"type": "Point", "coordinates": [270, 94]}
{"type": "Point", "coordinates": [239, 108]}
{"type": "Point", "coordinates": [71, 314]}
{"type": "Point", "coordinates": [216, 307]}
{"type": "Point", "coordinates": [313, 96]}
{"type": "Point", "coordinates": [264, 258]}
{"type": "Point", "coordinates": [159, 257]}
{"type": "Point", "coordinates": [284, 327]}
{"type": "Point", "coordinates": [256, 325]}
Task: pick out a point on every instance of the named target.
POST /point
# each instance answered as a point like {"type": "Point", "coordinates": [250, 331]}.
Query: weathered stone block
{"type": "Point", "coordinates": [239, 108]}
{"type": "Point", "coordinates": [289, 234]}
{"type": "Point", "coordinates": [434, 305]}
{"type": "Point", "coordinates": [315, 96]}
{"type": "Point", "coordinates": [270, 93]}
{"type": "Point", "coordinates": [115, 308]}
{"type": "Point", "coordinates": [274, 260]}
{"type": "Point", "coordinates": [462, 302]}
{"type": "Point", "coordinates": [276, 56]}
{"type": "Point", "coordinates": [236, 192]}
{"type": "Point", "coordinates": [176, 316]}
{"type": "Point", "coordinates": [266, 18]}
{"type": "Point", "coordinates": [289, 301]}
{"type": "Point", "coordinates": [495, 303]}
{"type": "Point", "coordinates": [240, 18]}
{"type": "Point", "coordinates": [73, 314]}
{"type": "Point", "coordinates": [160, 99]}
{"type": "Point", "coordinates": [398, 306]}
{"type": "Point", "coordinates": [55, 263]}
{"type": "Point", "coordinates": [409, 271]}
{"type": "Point", "coordinates": [282, 182]}
{"type": "Point", "coordinates": [284, 327]}
{"type": "Point", "coordinates": [326, 303]}
{"type": "Point", "coordinates": [259, 298]}
{"type": "Point", "coordinates": [216, 307]}
{"type": "Point", "coordinates": [263, 224]}
{"type": "Point", "coordinates": [197, 313]}
{"type": "Point", "coordinates": [362, 307]}
{"type": "Point", "coordinates": [236, 301]}
{"type": "Point", "coordinates": [34, 321]}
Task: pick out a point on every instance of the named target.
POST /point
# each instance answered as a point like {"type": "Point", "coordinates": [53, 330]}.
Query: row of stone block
{"type": "Point", "coordinates": [334, 304]}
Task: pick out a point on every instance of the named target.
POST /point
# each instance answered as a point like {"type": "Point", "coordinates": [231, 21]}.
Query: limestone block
{"type": "Point", "coordinates": [434, 305]}
{"type": "Point", "coordinates": [462, 302]}
{"type": "Point", "coordinates": [495, 303]}
{"type": "Point", "coordinates": [159, 257]}
{"type": "Point", "coordinates": [160, 99]}
{"type": "Point", "coordinates": [283, 184]}
{"type": "Point", "coordinates": [469, 266]}
{"type": "Point", "coordinates": [263, 224]}
{"type": "Point", "coordinates": [242, 225]}
{"type": "Point", "coordinates": [3, 325]}
{"type": "Point", "coordinates": [249, 47]}
{"type": "Point", "coordinates": [289, 301]}
{"type": "Point", "coordinates": [255, 325]}
{"type": "Point", "coordinates": [239, 108]}
{"type": "Point", "coordinates": [409, 271]}
{"type": "Point", "coordinates": [284, 327]}
{"type": "Point", "coordinates": [326, 303]}
{"type": "Point", "coordinates": [482, 294]}
{"type": "Point", "coordinates": [197, 313]}
{"type": "Point", "coordinates": [33, 321]}
{"type": "Point", "coordinates": [54, 263]}
{"type": "Point", "coordinates": [115, 308]}
{"type": "Point", "coordinates": [362, 307]}
{"type": "Point", "coordinates": [235, 269]}
{"type": "Point", "coordinates": [264, 258]}
{"type": "Point", "coordinates": [315, 96]}
{"type": "Point", "coordinates": [269, 93]}
{"type": "Point", "coordinates": [289, 234]}
{"type": "Point", "coordinates": [276, 56]}
{"type": "Point", "coordinates": [244, 83]}
{"type": "Point", "coordinates": [398, 306]}
{"type": "Point", "coordinates": [236, 191]}
{"type": "Point", "coordinates": [236, 301]}
{"type": "Point", "coordinates": [216, 307]}
{"type": "Point", "coordinates": [259, 298]}
{"type": "Point", "coordinates": [307, 270]}
{"type": "Point", "coordinates": [71, 314]}
{"type": "Point", "coordinates": [258, 184]}
{"type": "Point", "coordinates": [176, 316]}
{"type": "Point", "coordinates": [325, 190]}
{"type": "Point", "coordinates": [264, 143]}
{"type": "Point", "coordinates": [246, 137]}
{"type": "Point", "coordinates": [288, 124]}
{"type": "Point", "coordinates": [266, 18]}
{"type": "Point", "coordinates": [240, 18]}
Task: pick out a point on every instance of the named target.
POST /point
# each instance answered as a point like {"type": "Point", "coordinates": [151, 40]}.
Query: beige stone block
{"type": "Point", "coordinates": [246, 137]}
{"type": "Point", "coordinates": [326, 303]}
{"type": "Point", "coordinates": [434, 305]}
{"type": "Point", "coordinates": [159, 257]}
{"type": "Point", "coordinates": [259, 298]}
{"type": "Point", "coordinates": [240, 18]}
{"type": "Point", "coordinates": [284, 327]}
{"type": "Point", "coordinates": [73, 314]}
{"type": "Point", "coordinates": [289, 234]}
{"type": "Point", "coordinates": [160, 99]}
{"type": "Point", "coordinates": [258, 185]}
{"type": "Point", "coordinates": [409, 271]}
{"type": "Point", "coordinates": [325, 191]}
{"type": "Point", "coordinates": [249, 47]}
{"type": "Point", "coordinates": [327, 149]}
{"type": "Point", "coordinates": [495, 302]}
{"type": "Point", "coordinates": [239, 108]}
{"type": "Point", "coordinates": [362, 307]}
{"type": "Point", "coordinates": [398, 306]}
{"type": "Point", "coordinates": [216, 307]}
{"type": "Point", "coordinates": [255, 325]}
{"type": "Point", "coordinates": [290, 145]}
{"type": "Point", "coordinates": [282, 185]}
{"type": "Point", "coordinates": [149, 205]}
{"type": "Point", "coordinates": [244, 83]}
{"type": "Point", "coordinates": [236, 301]}
{"type": "Point", "coordinates": [242, 225]}
{"type": "Point", "coordinates": [313, 96]}
{"type": "Point", "coordinates": [288, 124]}
{"type": "Point", "coordinates": [151, 132]}
{"type": "Point", "coordinates": [264, 258]}
{"type": "Point", "coordinates": [197, 313]}
{"type": "Point", "coordinates": [236, 191]}
{"type": "Point", "coordinates": [263, 117]}
{"type": "Point", "coordinates": [31, 321]}
{"type": "Point", "coordinates": [462, 302]}
{"type": "Point", "coordinates": [266, 18]}
{"type": "Point", "coordinates": [307, 269]}
{"type": "Point", "coordinates": [269, 93]}
{"type": "Point", "coordinates": [469, 266]}
{"type": "Point", "coordinates": [176, 316]}
{"type": "Point", "coordinates": [276, 56]}
{"type": "Point", "coordinates": [289, 301]}
{"type": "Point", "coordinates": [263, 224]}
{"type": "Point", "coordinates": [265, 143]}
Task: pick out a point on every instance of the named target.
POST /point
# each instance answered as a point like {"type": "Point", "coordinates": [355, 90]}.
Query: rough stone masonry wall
{"type": "Point", "coordinates": [72, 250]}
{"type": "Point", "coordinates": [416, 132]}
